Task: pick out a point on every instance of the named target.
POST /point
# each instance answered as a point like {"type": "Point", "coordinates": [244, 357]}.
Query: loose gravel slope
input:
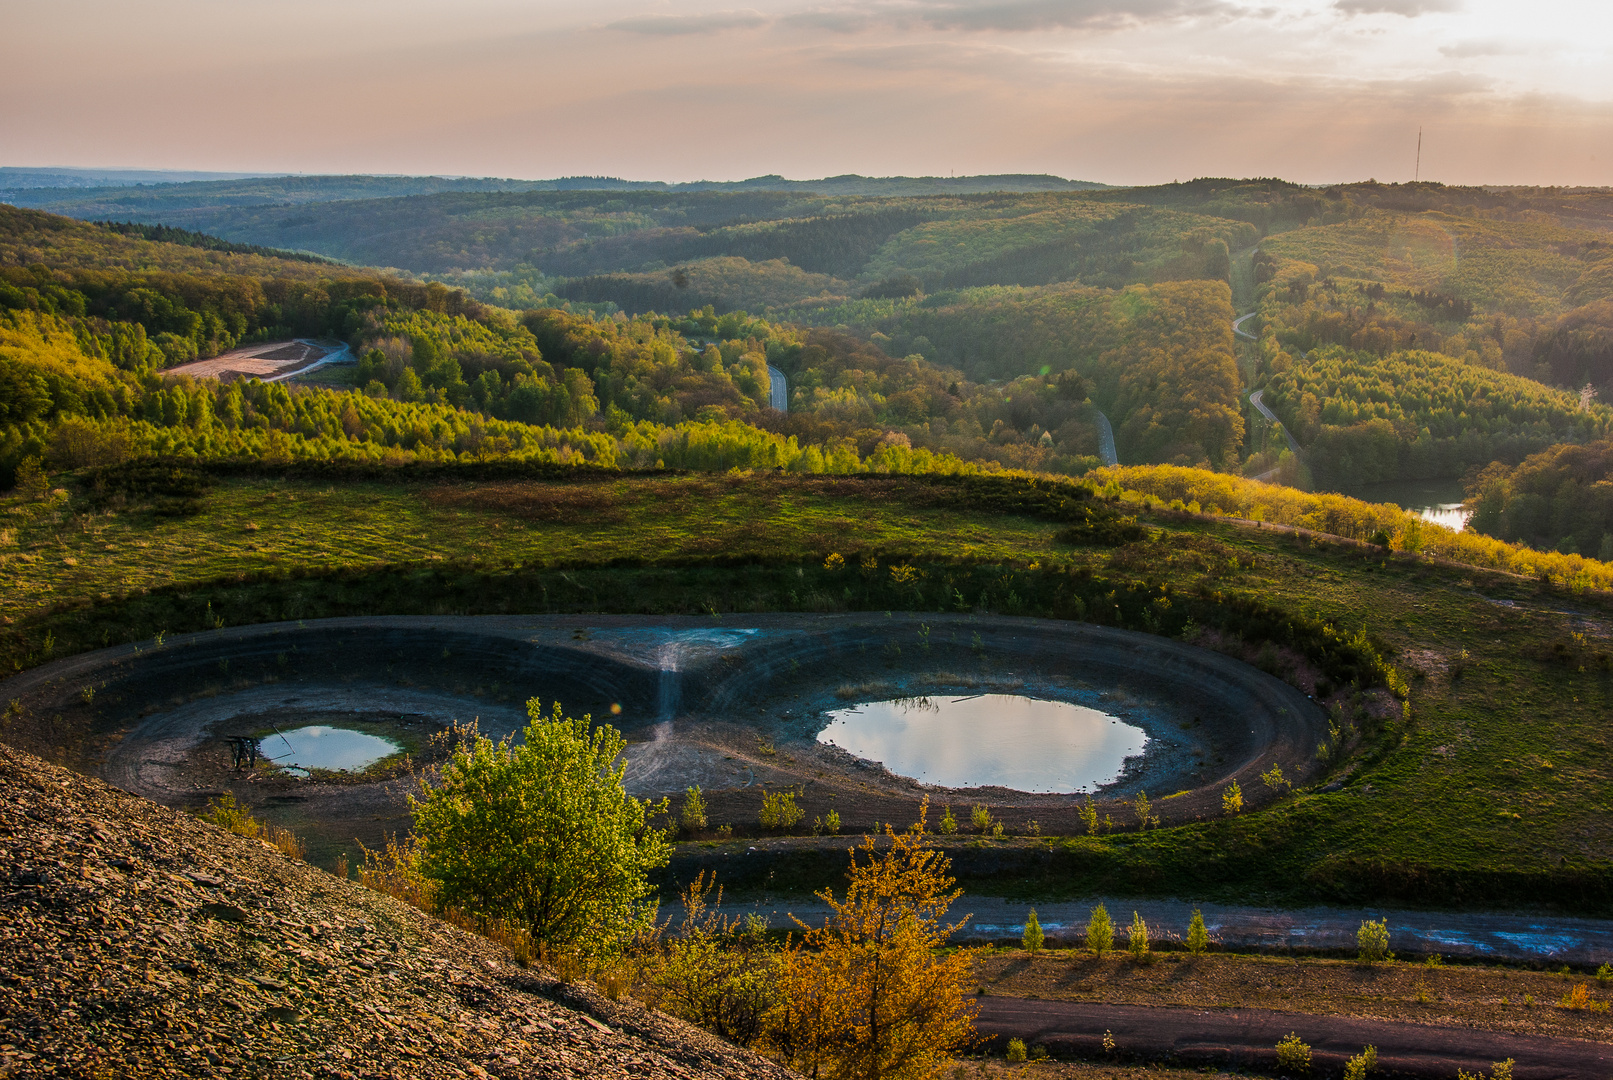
{"type": "Point", "coordinates": [137, 941]}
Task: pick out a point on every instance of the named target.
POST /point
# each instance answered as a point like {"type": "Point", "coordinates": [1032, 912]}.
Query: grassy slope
{"type": "Point", "coordinates": [1495, 796]}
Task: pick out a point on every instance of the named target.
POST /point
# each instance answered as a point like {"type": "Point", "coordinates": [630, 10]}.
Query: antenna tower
{"type": "Point", "coordinates": [1418, 175]}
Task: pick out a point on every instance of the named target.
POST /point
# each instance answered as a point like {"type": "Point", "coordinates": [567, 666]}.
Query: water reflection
{"type": "Point", "coordinates": [1439, 501]}
{"type": "Point", "coordinates": [1016, 742]}
{"type": "Point", "coordinates": [329, 748]}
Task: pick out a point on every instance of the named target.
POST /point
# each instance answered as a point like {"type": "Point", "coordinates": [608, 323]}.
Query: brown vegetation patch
{"type": "Point", "coordinates": [592, 504]}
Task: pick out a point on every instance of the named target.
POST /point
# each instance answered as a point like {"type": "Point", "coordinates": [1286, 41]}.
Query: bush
{"type": "Point", "coordinates": [1293, 1055]}
{"type": "Point", "coordinates": [226, 813]}
{"type": "Point", "coordinates": [949, 824]}
{"type": "Point", "coordinates": [1100, 931]}
{"type": "Point", "coordinates": [1016, 1051]}
{"type": "Point", "coordinates": [828, 825]}
{"type": "Point", "coordinates": [1501, 1070]}
{"type": "Point", "coordinates": [1372, 942]}
{"type": "Point", "coordinates": [1232, 799]}
{"type": "Point", "coordinates": [717, 972]}
{"type": "Point", "coordinates": [542, 835]}
{"type": "Point", "coordinates": [1198, 938]}
{"type": "Point", "coordinates": [694, 810]}
{"type": "Point", "coordinates": [1361, 1064]}
{"type": "Point", "coordinates": [980, 818]}
{"type": "Point", "coordinates": [32, 483]}
{"type": "Point", "coordinates": [1604, 974]}
{"type": "Point", "coordinates": [1033, 937]}
{"type": "Point", "coordinates": [1275, 780]}
{"type": "Point", "coordinates": [779, 810]}
{"type": "Point", "coordinates": [1137, 942]}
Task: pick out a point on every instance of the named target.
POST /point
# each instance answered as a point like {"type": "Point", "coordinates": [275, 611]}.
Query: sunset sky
{"type": "Point", "coordinates": [1122, 91]}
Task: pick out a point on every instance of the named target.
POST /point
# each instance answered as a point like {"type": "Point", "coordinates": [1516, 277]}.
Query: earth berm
{"type": "Point", "coordinates": [136, 941]}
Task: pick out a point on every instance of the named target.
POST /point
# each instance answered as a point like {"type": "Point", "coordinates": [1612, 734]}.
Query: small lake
{"type": "Point", "coordinates": [1439, 501]}
{"type": "Point", "coordinates": [1017, 742]}
{"type": "Point", "coordinates": [330, 748]}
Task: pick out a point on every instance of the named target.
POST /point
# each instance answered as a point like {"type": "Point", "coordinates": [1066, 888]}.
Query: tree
{"type": "Point", "coordinates": [1100, 931]}
{"type": "Point", "coordinates": [1198, 938]}
{"type": "Point", "coordinates": [694, 809]}
{"type": "Point", "coordinates": [542, 835]}
{"type": "Point", "coordinates": [865, 997]}
{"type": "Point", "coordinates": [1137, 942]}
{"type": "Point", "coordinates": [1232, 799]}
{"type": "Point", "coordinates": [1033, 937]}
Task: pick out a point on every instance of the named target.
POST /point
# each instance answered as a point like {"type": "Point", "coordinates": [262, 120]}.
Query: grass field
{"type": "Point", "coordinates": [1494, 792]}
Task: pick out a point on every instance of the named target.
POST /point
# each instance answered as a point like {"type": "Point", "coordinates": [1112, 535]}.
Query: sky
{"type": "Point", "coordinates": [1119, 91]}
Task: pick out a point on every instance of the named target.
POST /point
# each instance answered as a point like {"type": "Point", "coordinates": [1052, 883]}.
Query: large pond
{"type": "Point", "coordinates": [330, 748]}
{"type": "Point", "coordinates": [989, 739]}
{"type": "Point", "coordinates": [1439, 501]}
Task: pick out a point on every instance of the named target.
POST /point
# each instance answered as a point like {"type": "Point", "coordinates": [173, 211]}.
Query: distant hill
{"type": "Point", "coordinates": [148, 196]}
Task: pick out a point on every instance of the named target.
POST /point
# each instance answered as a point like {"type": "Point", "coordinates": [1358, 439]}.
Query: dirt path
{"type": "Point", "coordinates": [1247, 1038]}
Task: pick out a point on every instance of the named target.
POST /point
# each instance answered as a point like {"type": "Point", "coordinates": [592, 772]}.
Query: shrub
{"type": "Point", "coordinates": [1141, 807]}
{"type": "Point", "coordinates": [694, 810]}
{"type": "Point", "coordinates": [226, 813]}
{"type": "Point", "coordinates": [1604, 974]}
{"type": "Point", "coordinates": [1501, 1070]}
{"type": "Point", "coordinates": [541, 835]}
{"type": "Point", "coordinates": [1100, 931]}
{"type": "Point", "coordinates": [1089, 815]}
{"type": "Point", "coordinates": [1372, 942]}
{"type": "Point", "coordinates": [1275, 780]}
{"type": "Point", "coordinates": [779, 810]}
{"type": "Point", "coordinates": [980, 818]}
{"type": "Point", "coordinates": [717, 971]}
{"type": "Point", "coordinates": [1361, 1064]}
{"type": "Point", "coordinates": [1033, 937]}
{"type": "Point", "coordinates": [32, 483]}
{"type": "Point", "coordinates": [1137, 943]}
{"type": "Point", "coordinates": [1016, 1051]}
{"type": "Point", "coordinates": [1198, 938]}
{"type": "Point", "coordinates": [1293, 1055]}
{"type": "Point", "coordinates": [834, 562]}
{"type": "Point", "coordinates": [828, 825]}
{"type": "Point", "coordinates": [949, 824]}
{"type": "Point", "coordinates": [1232, 799]}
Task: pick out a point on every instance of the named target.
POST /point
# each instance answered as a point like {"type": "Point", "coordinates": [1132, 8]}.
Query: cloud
{"type": "Point", "coordinates": [1466, 50]}
{"type": "Point", "coordinates": [705, 23]}
{"type": "Point", "coordinates": [1017, 15]}
{"type": "Point", "coordinates": [1409, 8]}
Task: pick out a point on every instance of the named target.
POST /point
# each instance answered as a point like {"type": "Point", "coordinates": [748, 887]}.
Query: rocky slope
{"type": "Point", "coordinates": [136, 941]}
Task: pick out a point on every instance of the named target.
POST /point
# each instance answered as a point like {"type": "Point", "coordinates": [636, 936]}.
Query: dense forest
{"type": "Point", "coordinates": [1559, 500]}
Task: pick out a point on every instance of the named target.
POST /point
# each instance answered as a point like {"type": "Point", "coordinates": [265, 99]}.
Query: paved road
{"type": "Point", "coordinates": [1106, 441]}
{"type": "Point", "coordinates": [1473, 935]}
{"type": "Point", "coordinates": [779, 395]}
{"type": "Point", "coordinates": [1237, 326]}
{"type": "Point", "coordinates": [1247, 1038]}
{"type": "Point", "coordinates": [1257, 399]}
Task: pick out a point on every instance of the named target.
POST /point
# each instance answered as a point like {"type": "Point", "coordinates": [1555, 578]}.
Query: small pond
{"type": "Point", "coordinates": [1439, 501]}
{"type": "Point", "coordinates": [330, 748]}
{"type": "Point", "coordinates": [1015, 742]}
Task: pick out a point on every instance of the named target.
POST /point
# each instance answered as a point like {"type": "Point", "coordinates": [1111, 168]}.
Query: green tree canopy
{"type": "Point", "coordinates": [542, 835]}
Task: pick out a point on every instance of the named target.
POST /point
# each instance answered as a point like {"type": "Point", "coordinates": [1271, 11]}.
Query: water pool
{"type": "Point", "coordinates": [1027, 744]}
{"type": "Point", "coordinates": [331, 748]}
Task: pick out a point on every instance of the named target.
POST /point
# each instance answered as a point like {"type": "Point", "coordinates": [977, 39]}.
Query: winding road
{"type": "Point", "coordinates": [779, 390]}
{"type": "Point", "coordinates": [1106, 441]}
{"type": "Point", "coordinates": [1237, 326]}
{"type": "Point", "coordinates": [1257, 399]}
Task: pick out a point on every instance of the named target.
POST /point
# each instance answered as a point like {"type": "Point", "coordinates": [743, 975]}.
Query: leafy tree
{"type": "Point", "coordinates": [1232, 799]}
{"type": "Point", "coordinates": [1372, 941]}
{"type": "Point", "coordinates": [866, 996]}
{"type": "Point", "coordinates": [1137, 941]}
{"type": "Point", "coordinates": [1033, 937]}
{"type": "Point", "coordinates": [542, 835]}
{"type": "Point", "coordinates": [1198, 938]}
{"type": "Point", "coordinates": [694, 810]}
{"type": "Point", "coordinates": [1100, 931]}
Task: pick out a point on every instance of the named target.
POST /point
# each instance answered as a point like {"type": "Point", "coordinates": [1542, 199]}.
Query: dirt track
{"type": "Point", "coordinates": [1247, 1039]}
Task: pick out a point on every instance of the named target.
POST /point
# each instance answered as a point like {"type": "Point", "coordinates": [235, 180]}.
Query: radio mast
{"type": "Point", "coordinates": [1418, 175]}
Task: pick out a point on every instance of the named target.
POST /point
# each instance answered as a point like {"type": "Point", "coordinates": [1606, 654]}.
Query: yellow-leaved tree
{"type": "Point", "coordinates": [867, 996]}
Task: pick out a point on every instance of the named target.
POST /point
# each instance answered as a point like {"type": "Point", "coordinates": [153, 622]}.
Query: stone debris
{"type": "Point", "coordinates": [136, 941]}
